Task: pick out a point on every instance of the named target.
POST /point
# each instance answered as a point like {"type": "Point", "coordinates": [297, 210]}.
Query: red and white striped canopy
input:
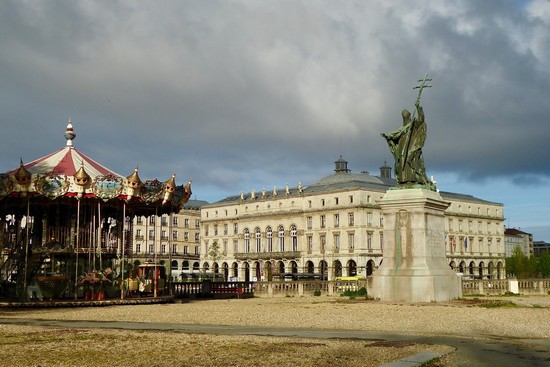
{"type": "Point", "coordinates": [67, 161]}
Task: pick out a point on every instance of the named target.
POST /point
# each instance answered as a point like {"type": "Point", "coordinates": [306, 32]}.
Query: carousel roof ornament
{"type": "Point", "coordinates": [70, 173]}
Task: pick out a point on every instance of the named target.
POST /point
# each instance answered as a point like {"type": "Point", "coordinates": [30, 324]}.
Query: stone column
{"type": "Point", "coordinates": [414, 266]}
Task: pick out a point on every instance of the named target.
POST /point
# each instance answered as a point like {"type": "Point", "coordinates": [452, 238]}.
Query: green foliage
{"type": "Point", "coordinates": [520, 265]}
{"type": "Point", "coordinates": [317, 293]}
{"type": "Point", "coordinates": [353, 294]}
{"type": "Point", "coordinates": [497, 304]}
{"type": "Point", "coordinates": [544, 264]}
{"type": "Point", "coordinates": [214, 251]}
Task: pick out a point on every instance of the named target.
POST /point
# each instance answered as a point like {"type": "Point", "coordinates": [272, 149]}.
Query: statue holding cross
{"type": "Point", "coordinates": [406, 144]}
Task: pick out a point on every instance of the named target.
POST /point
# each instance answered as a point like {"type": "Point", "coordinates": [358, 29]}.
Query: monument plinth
{"type": "Point", "coordinates": [414, 266]}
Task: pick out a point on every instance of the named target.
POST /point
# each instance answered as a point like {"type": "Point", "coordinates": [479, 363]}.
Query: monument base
{"type": "Point", "coordinates": [414, 266]}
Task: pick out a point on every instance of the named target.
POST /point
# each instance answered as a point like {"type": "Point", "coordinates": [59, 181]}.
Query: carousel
{"type": "Point", "coordinates": [66, 225]}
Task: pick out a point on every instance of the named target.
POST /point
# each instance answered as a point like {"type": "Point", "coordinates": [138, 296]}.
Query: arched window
{"type": "Point", "coordinates": [269, 239]}
{"type": "Point", "coordinates": [258, 238]}
{"type": "Point", "coordinates": [281, 232]}
{"type": "Point", "coordinates": [294, 238]}
{"type": "Point", "coordinates": [185, 265]}
{"type": "Point", "coordinates": [246, 240]}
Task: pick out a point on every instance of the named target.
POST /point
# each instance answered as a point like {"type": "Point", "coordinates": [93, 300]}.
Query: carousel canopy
{"type": "Point", "coordinates": [70, 173]}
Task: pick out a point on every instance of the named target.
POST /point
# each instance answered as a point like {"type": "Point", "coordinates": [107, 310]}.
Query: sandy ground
{"type": "Point", "coordinates": [463, 318]}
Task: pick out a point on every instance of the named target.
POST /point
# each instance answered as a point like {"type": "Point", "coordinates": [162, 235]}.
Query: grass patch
{"type": "Point", "coordinates": [497, 304]}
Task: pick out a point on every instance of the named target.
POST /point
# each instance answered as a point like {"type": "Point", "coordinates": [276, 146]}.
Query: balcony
{"type": "Point", "coordinates": [267, 255]}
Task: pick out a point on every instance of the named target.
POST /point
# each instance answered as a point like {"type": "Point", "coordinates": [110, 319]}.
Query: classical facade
{"type": "Point", "coordinates": [335, 228]}
{"type": "Point", "coordinates": [171, 239]}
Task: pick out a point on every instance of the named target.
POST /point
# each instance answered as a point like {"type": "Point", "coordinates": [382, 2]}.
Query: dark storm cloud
{"type": "Point", "coordinates": [243, 95]}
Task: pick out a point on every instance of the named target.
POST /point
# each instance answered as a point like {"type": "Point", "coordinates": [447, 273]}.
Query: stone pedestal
{"type": "Point", "coordinates": [414, 266]}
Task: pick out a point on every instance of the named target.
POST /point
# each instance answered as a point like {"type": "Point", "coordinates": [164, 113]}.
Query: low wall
{"type": "Point", "coordinates": [306, 288]}
{"type": "Point", "coordinates": [521, 286]}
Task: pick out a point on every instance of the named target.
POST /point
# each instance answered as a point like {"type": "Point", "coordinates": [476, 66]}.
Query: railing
{"type": "Point", "coordinates": [267, 255]}
{"type": "Point", "coordinates": [209, 289]}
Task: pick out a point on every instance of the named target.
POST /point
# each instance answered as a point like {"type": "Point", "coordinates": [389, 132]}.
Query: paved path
{"type": "Point", "coordinates": [470, 352]}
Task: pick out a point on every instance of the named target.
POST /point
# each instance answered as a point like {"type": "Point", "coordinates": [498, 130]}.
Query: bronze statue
{"type": "Point", "coordinates": [406, 144]}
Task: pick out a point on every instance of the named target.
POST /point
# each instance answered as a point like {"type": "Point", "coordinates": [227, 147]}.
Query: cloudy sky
{"type": "Point", "coordinates": [242, 95]}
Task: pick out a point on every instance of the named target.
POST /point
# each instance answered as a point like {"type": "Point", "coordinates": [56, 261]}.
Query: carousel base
{"type": "Point", "coordinates": [86, 303]}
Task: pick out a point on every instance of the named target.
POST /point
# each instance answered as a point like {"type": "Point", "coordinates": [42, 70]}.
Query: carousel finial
{"type": "Point", "coordinates": [133, 184]}
{"type": "Point", "coordinates": [69, 134]}
{"type": "Point", "coordinates": [81, 179]}
{"type": "Point", "coordinates": [23, 178]}
{"type": "Point", "coordinates": [169, 187]}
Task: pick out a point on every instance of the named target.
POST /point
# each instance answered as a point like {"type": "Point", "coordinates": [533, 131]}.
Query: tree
{"type": "Point", "coordinates": [214, 253]}
{"type": "Point", "coordinates": [544, 265]}
{"type": "Point", "coordinates": [520, 265]}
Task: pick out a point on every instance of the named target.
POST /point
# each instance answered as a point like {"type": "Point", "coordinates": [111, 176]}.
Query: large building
{"type": "Point", "coordinates": [539, 247]}
{"type": "Point", "coordinates": [171, 239]}
{"type": "Point", "coordinates": [516, 238]}
{"type": "Point", "coordinates": [335, 228]}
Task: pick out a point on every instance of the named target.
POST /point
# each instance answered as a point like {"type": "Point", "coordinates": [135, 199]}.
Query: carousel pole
{"type": "Point", "coordinates": [155, 256]}
{"type": "Point", "coordinates": [170, 247]}
{"type": "Point", "coordinates": [76, 249]}
{"type": "Point", "coordinates": [99, 237]}
{"type": "Point", "coordinates": [26, 249]}
{"type": "Point", "coordinates": [123, 243]}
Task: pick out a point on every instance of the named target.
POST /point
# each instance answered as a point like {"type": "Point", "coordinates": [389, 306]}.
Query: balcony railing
{"type": "Point", "coordinates": [267, 255]}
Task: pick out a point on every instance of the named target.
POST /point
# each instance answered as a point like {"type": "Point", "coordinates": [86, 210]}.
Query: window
{"type": "Point", "coordinates": [151, 234]}
{"type": "Point", "coordinates": [163, 221]}
{"type": "Point", "coordinates": [215, 229]}
{"type": "Point", "coordinates": [163, 235]}
{"type": "Point", "coordinates": [186, 250]}
{"type": "Point", "coordinates": [294, 238]}
{"type": "Point", "coordinates": [369, 240]}
{"type": "Point", "coordinates": [175, 235]}
{"type": "Point", "coordinates": [206, 230]}
{"type": "Point", "coordinates": [323, 221]}
{"type": "Point", "coordinates": [138, 233]}
{"type": "Point", "coordinates": [369, 219]}
{"type": "Point", "coordinates": [152, 220]}
{"type": "Point", "coordinates": [225, 229]}
{"type": "Point", "coordinates": [323, 241]}
{"type": "Point", "coordinates": [309, 222]}
{"type": "Point", "coordinates": [460, 226]}
{"type": "Point", "coordinates": [174, 249]}
{"type": "Point", "coordinates": [235, 246]}
{"type": "Point", "coordinates": [258, 235]}
{"type": "Point", "coordinates": [163, 248]}
{"type": "Point", "coordinates": [197, 252]}
{"type": "Point", "coordinates": [322, 202]}
{"type": "Point", "coordinates": [309, 203]}
{"type": "Point", "coordinates": [450, 225]}
{"type": "Point", "coordinates": [351, 219]}
{"type": "Point", "coordinates": [336, 201]}
{"type": "Point", "coordinates": [309, 244]}
{"type": "Point", "coordinates": [151, 249]}
{"type": "Point", "coordinates": [281, 238]}
{"type": "Point", "coordinates": [197, 223]}
{"type": "Point", "coordinates": [381, 241]}
{"type": "Point", "coordinates": [351, 241]}
{"type": "Point", "coordinates": [186, 223]}
{"type": "Point", "coordinates": [197, 237]}
{"type": "Point", "coordinates": [336, 242]}
{"type": "Point", "coordinates": [351, 199]}
{"type": "Point", "coordinates": [138, 248]}
{"type": "Point", "coordinates": [269, 239]}
{"type": "Point", "coordinates": [186, 236]}
{"type": "Point", "coordinates": [175, 221]}
{"type": "Point", "coordinates": [139, 220]}
{"type": "Point", "coordinates": [336, 220]}
{"type": "Point", "coordinates": [235, 228]}
{"type": "Point", "coordinates": [246, 240]}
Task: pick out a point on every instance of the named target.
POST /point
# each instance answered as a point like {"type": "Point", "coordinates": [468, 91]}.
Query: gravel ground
{"type": "Point", "coordinates": [464, 318]}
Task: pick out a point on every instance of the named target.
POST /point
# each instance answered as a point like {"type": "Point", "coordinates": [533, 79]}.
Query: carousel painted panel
{"type": "Point", "coordinates": [51, 185]}
{"type": "Point", "coordinates": [108, 187]}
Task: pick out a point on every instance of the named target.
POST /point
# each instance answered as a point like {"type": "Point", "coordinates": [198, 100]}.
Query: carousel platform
{"type": "Point", "coordinates": [87, 303]}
